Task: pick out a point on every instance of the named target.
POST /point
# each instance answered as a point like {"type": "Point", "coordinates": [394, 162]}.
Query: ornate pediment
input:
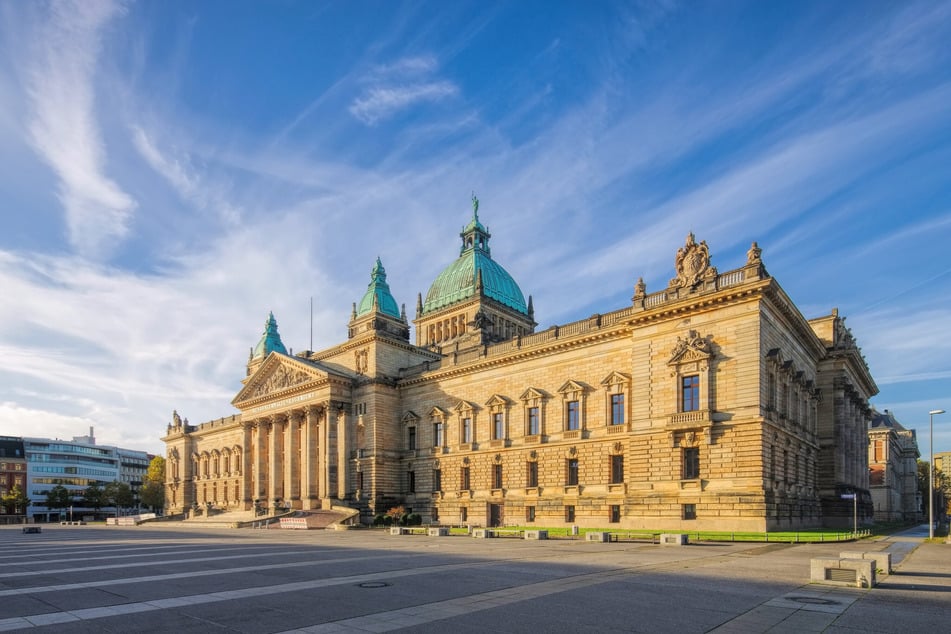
{"type": "Point", "coordinates": [572, 387]}
{"type": "Point", "coordinates": [533, 394]}
{"type": "Point", "coordinates": [693, 347]}
{"type": "Point", "coordinates": [615, 378]}
{"type": "Point", "coordinates": [437, 413]}
{"type": "Point", "coordinates": [497, 401]}
{"type": "Point", "coordinates": [277, 374]}
{"type": "Point", "coordinates": [463, 407]}
{"type": "Point", "coordinates": [409, 418]}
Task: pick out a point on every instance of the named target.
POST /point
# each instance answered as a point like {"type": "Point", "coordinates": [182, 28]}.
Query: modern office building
{"type": "Point", "coordinates": [76, 464]}
{"type": "Point", "coordinates": [709, 403]}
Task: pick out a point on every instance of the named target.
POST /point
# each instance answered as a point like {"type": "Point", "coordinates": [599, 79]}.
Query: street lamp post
{"type": "Point", "coordinates": [931, 414]}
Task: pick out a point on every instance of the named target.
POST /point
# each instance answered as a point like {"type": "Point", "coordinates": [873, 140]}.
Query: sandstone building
{"type": "Point", "coordinates": [893, 469]}
{"type": "Point", "coordinates": [711, 403]}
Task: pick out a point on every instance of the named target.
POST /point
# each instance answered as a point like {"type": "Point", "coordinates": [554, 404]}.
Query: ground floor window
{"type": "Point", "coordinates": [615, 513]}
{"type": "Point", "coordinates": [463, 514]}
{"type": "Point", "coordinates": [689, 511]}
{"type": "Point", "coordinates": [570, 513]}
{"type": "Point", "coordinates": [529, 513]}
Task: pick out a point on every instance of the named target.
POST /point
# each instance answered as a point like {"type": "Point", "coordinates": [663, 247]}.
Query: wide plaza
{"type": "Point", "coordinates": [141, 579]}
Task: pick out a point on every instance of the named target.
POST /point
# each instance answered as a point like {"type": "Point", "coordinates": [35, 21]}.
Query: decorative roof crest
{"type": "Point", "coordinates": [692, 263]}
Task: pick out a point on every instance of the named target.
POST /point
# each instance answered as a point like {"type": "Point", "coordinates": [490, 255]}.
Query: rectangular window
{"type": "Point", "coordinates": [463, 514]}
{"type": "Point", "coordinates": [437, 434]}
{"type": "Point", "coordinates": [359, 481]}
{"type": "Point", "coordinates": [498, 426]}
{"type": "Point", "coordinates": [615, 515]}
{"type": "Point", "coordinates": [497, 476]}
{"type": "Point", "coordinates": [570, 513]}
{"type": "Point", "coordinates": [689, 511]}
{"type": "Point", "coordinates": [466, 430]}
{"type": "Point", "coordinates": [529, 513]}
{"type": "Point", "coordinates": [617, 409]}
{"type": "Point", "coordinates": [534, 427]}
{"type": "Point", "coordinates": [771, 391]}
{"type": "Point", "coordinates": [690, 393]}
{"type": "Point", "coordinates": [411, 442]}
{"type": "Point", "coordinates": [571, 475]}
{"type": "Point", "coordinates": [617, 469]}
{"type": "Point", "coordinates": [574, 416]}
{"type": "Point", "coordinates": [464, 479]}
{"type": "Point", "coordinates": [437, 480]}
{"type": "Point", "coordinates": [691, 467]}
{"type": "Point", "coordinates": [531, 474]}
{"type": "Point", "coordinates": [411, 481]}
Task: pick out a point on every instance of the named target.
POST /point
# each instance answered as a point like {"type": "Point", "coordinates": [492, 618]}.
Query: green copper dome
{"type": "Point", "coordinates": [378, 291]}
{"type": "Point", "coordinates": [270, 340]}
{"type": "Point", "coordinates": [460, 280]}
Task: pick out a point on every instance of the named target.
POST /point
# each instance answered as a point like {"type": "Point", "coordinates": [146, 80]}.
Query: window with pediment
{"type": "Point", "coordinates": [410, 425]}
{"type": "Point", "coordinates": [465, 414]}
{"type": "Point", "coordinates": [438, 418]}
{"type": "Point", "coordinates": [573, 395]}
{"type": "Point", "coordinates": [498, 419]}
{"type": "Point", "coordinates": [616, 386]}
{"type": "Point", "coordinates": [533, 404]}
{"type": "Point", "coordinates": [690, 364]}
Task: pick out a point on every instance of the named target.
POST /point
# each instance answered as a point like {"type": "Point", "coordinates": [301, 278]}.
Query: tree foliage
{"type": "Point", "coordinates": [15, 501]}
{"type": "Point", "coordinates": [152, 493]}
{"type": "Point", "coordinates": [118, 494]}
{"type": "Point", "coordinates": [94, 496]}
{"type": "Point", "coordinates": [59, 497]}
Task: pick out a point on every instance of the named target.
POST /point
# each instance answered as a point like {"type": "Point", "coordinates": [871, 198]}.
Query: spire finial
{"type": "Point", "coordinates": [475, 206]}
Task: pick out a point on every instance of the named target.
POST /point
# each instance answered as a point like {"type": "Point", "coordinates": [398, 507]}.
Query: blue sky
{"type": "Point", "coordinates": [172, 171]}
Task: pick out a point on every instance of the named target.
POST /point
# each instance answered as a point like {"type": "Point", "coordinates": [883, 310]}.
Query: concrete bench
{"type": "Point", "coordinates": [31, 529]}
{"type": "Point", "coordinates": [398, 530]}
{"type": "Point", "coordinates": [855, 573]}
{"type": "Point", "coordinates": [597, 537]}
{"type": "Point", "coordinates": [438, 531]}
{"type": "Point", "coordinates": [673, 539]}
{"type": "Point", "coordinates": [484, 533]}
{"type": "Point", "coordinates": [536, 534]}
{"type": "Point", "coordinates": [882, 559]}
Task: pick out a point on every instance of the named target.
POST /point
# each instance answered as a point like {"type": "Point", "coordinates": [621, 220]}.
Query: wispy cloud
{"type": "Point", "coordinates": [63, 128]}
{"type": "Point", "coordinates": [186, 181]}
{"type": "Point", "coordinates": [398, 86]}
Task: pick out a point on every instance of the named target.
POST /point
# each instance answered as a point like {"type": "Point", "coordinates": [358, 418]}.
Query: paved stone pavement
{"type": "Point", "coordinates": [150, 579]}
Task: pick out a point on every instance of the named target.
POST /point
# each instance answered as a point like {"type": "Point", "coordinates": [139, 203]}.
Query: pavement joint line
{"type": "Point", "coordinates": [200, 599]}
{"type": "Point", "coordinates": [183, 575]}
{"type": "Point", "coordinates": [35, 573]}
{"type": "Point", "coordinates": [460, 606]}
{"type": "Point", "coordinates": [33, 561]}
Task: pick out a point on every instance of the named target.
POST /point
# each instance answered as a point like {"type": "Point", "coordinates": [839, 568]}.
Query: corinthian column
{"type": "Point", "coordinates": [324, 483]}
{"type": "Point", "coordinates": [343, 454]}
{"type": "Point", "coordinates": [292, 470]}
{"type": "Point", "coordinates": [260, 460]}
{"type": "Point", "coordinates": [309, 459]}
{"type": "Point", "coordinates": [274, 473]}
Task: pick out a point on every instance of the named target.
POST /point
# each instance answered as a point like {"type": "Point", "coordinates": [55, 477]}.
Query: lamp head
{"type": "Point", "coordinates": [935, 412]}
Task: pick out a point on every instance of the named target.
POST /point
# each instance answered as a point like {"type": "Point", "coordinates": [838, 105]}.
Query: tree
{"type": "Point", "coordinates": [118, 494]}
{"type": "Point", "coordinates": [94, 496]}
{"type": "Point", "coordinates": [152, 492]}
{"type": "Point", "coordinates": [58, 497]}
{"type": "Point", "coordinates": [15, 501]}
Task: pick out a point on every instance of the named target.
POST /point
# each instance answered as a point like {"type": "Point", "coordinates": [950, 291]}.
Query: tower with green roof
{"type": "Point", "coordinates": [474, 300]}
{"type": "Point", "coordinates": [269, 342]}
{"type": "Point", "coordinates": [377, 310]}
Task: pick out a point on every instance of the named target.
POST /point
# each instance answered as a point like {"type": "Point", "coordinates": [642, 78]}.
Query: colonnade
{"type": "Point", "coordinates": [296, 457]}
